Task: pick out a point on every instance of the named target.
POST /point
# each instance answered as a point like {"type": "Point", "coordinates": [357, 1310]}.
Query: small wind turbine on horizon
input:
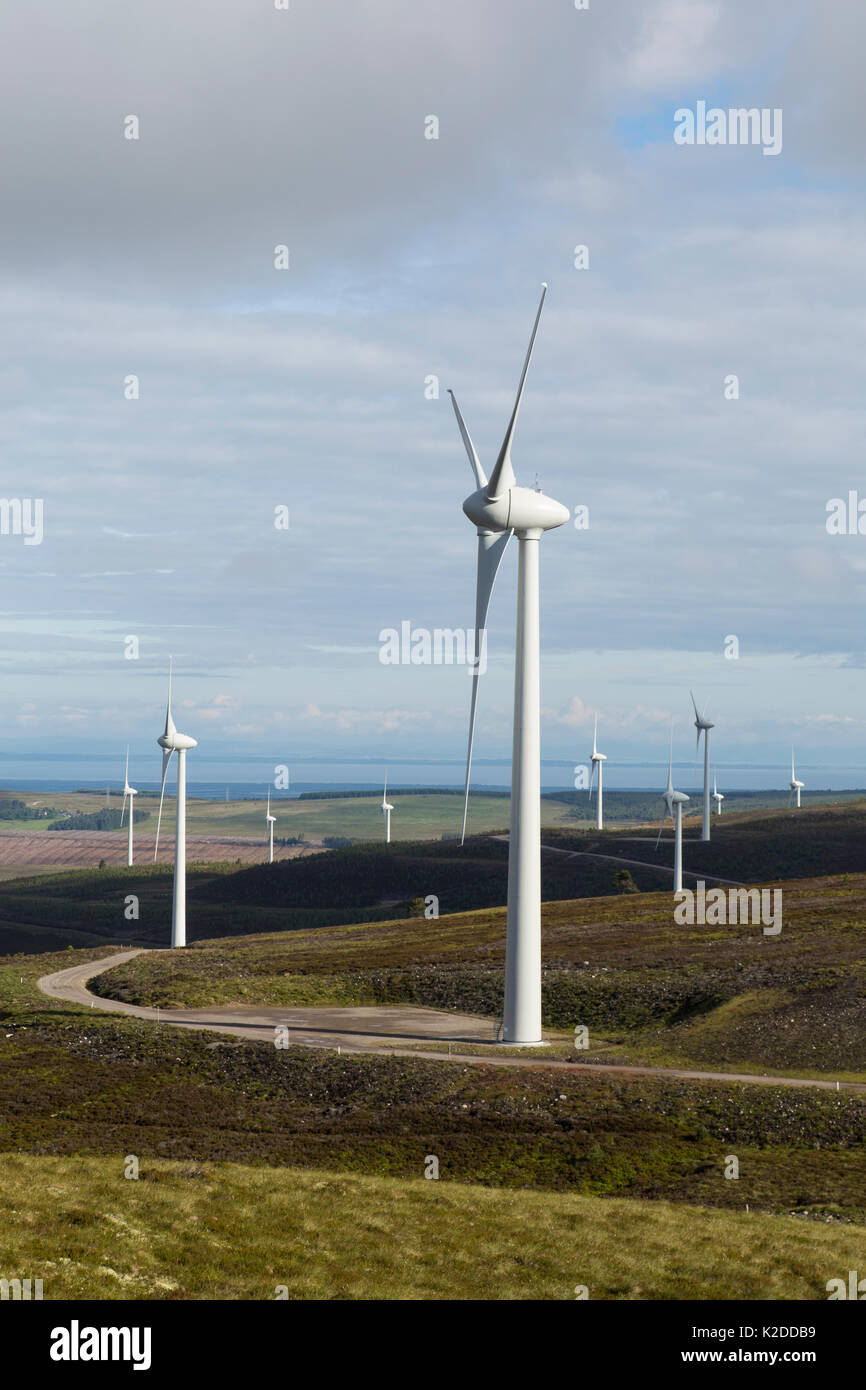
{"type": "Point", "coordinates": [703, 726]}
{"type": "Point", "coordinates": [387, 808]}
{"type": "Point", "coordinates": [796, 787]}
{"type": "Point", "coordinates": [717, 795]}
{"type": "Point", "coordinates": [674, 802]}
{"type": "Point", "coordinates": [499, 509]}
{"type": "Point", "coordinates": [597, 759]}
{"type": "Point", "coordinates": [173, 742]}
{"type": "Point", "coordinates": [131, 793]}
{"type": "Point", "coordinates": [270, 822]}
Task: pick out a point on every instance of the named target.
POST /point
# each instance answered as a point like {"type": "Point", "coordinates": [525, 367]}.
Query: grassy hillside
{"type": "Point", "coordinates": [75, 1081]}
{"type": "Point", "coordinates": [376, 882]}
{"type": "Point", "coordinates": [649, 989]}
{"type": "Point", "coordinates": [231, 1232]}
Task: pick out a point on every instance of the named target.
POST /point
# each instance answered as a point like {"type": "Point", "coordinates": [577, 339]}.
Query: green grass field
{"type": "Point", "coordinates": [417, 816]}
{"type": "Point", "coordinates": [196, 1231]}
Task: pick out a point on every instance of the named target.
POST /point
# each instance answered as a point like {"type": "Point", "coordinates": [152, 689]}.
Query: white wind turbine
{"type": "Point", "coordinates": [387, 808]}
{"type": "Point", "coordinates": [600, 759]}
{"type": "Point", "coordinates": [796, 787]}
{"type": "Point", "coordinates": [717, 795]}
{"type": "Point", "coordinates": [703, 726]}
{"type": "Point", "coordinates": [173, 742]}
{"type": "Point", "coordinates": [499, 508]}
{"type": "Point", "coordinates": [270, 822]}
{"type": "Point", "coordinates": [674, 802]}
{"type": "Point", "coordinates": [131, 793]}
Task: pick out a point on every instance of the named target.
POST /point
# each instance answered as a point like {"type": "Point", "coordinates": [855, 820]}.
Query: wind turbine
{"type": "Point", "coordinates": [131, 793]}
{"type": "Point", "coordinates": [499, 509]}
{"type": "Point", "coordinates": [270, 822]}
{"type": "Point", "coordinates": [717, 795]}
{"type": "Point", "coordinates": [387, 808]}
{"type": "Point", "coordinates": [600, 759]}
{"type": "Point", "coordinates": [674, 802]}
{"type": "Point", "coordinates": [796, 787]}
{"type": "Point", "coordinates": [703, 726]}
{"type": "Point", "coordinates": [173, 742]}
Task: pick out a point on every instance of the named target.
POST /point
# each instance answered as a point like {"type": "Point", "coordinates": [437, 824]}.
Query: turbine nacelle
{"type": "Point", "coordinates": [517, 509]}
{"type": "Point", "coordinates": [173, 742]}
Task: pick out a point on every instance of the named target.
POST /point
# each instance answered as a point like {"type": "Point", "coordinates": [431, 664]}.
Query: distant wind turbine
{"type": "Point", "coordinates": [270, 822]}
{"type": "Point", "coordinates": [796, 787]}
{"type": "Point", "coordinates": [717, 795]}
{"type": "Point", "coordinates": [387, 808]}
{"type": "Point", "coordinates": [598, 759]}
{"type": "Point", "coordinates": [131, 793]}
{"type": "Point", "coordinates": [674, 802]}
{"type": "Point", "coordinates": [703, 726]}
{"type": "Point", "coordinates": [498, 509]}
{"type": "Point", "coordinates": [173, 742]}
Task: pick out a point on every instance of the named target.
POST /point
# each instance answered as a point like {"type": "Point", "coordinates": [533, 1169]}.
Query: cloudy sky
{"type": "Point", "coordinates": [412, 258]}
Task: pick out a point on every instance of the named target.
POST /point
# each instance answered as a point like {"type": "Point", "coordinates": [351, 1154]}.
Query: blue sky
{"type": "Point", "coordinates": [410, 257]}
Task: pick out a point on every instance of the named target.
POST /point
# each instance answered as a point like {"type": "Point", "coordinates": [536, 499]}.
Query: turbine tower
{"type": "Point", "coordinates": [499, 508]}
{"type": "Point", "coordinates": [717, 795]}
{"type": "Point", "coordinates": [270, 822]}
{"type": "Point", "coordinates": [131, 793]}
{"type": "Point", "coordinates": [674, 802]}
{"type": "Point", "coordinates": [173, 742]}
{"type": "Point", "coordinates": [796, 787]}
{"type": "Point", "coordinates": [599, 759]}
{"type": "Point", "coordinates": [387, 808]}
{"type": "Point", "coordinates": [703, 726]}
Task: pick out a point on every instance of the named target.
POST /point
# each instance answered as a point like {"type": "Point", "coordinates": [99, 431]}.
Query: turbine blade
{"type": "Point", "coordinates": [170, 727]}
{"type": "Point", "coordinates": [502, 478]}
{"type": "Point", "coordinates": [491, 548]}
{"type": "Point", "coordinates": [591, 780]}
{"type": "Point", "coordinates": [670, 785]}
{"type": "Point", "coordinates": [480, 475]}
{"type": "Point", "coordinates": [123, 808]}
{"type": "Point", "coordinates": [695, 704]}
{"type": "Point", "coordinates": [166, 759]}
{"type": "Point", "coordinates": [595, 737]}
{"type": "Point", "coordinates": [661, 828]}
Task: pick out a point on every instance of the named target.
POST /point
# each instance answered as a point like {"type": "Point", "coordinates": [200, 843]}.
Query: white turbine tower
{"type": "Point", "coordinates": [674, 802]}
{"type": "Point", "coordinates": [499, 508]}
{"type": "Point", "coordinates": [131, 793]}
{"type": "Point", "coordinates": [703, 726]}
{"type": "Point", "coordinates": [796, 787]}
{"type": "Point", "coordinates": [717, 795]}
{"type": "Point", "coordinates": [387, 808]}
{"type": "Point", "coordinates": [173, 742]}
{"type": "Point", "coordinates": [597, 759]}
{"type": "Point", "coordinates": [270, 822]}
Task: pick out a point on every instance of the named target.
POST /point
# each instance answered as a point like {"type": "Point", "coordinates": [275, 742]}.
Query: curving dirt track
{"type": "Point", "coordinates": [379, 1030]}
